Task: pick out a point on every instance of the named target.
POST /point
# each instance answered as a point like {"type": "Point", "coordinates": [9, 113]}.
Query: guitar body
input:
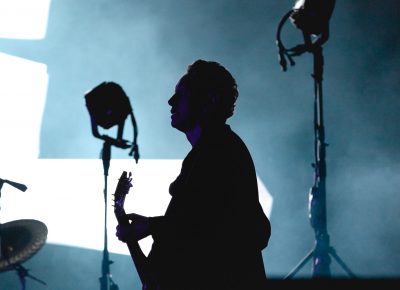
{"type": "Point", "coordinates": [138, 257]}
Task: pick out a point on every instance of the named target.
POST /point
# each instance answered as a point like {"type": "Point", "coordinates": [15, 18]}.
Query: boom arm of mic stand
{"type": "Point", "coordinates": [17, 185]}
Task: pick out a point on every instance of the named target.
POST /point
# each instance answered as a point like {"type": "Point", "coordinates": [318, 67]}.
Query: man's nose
{"type": "Point", "coordinates": [171, 100]}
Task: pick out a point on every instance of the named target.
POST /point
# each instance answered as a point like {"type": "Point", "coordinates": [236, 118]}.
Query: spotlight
{"type": "Point", "coordinates": [108, 105]}
{"type": "Point", "coordinates": [312, 18]}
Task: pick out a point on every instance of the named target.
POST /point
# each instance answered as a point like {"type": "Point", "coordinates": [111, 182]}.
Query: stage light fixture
{"type": "Point", "coordinates": [108, 106]}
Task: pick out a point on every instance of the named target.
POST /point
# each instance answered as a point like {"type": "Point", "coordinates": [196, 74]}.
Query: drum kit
{"type": "Point", "coordinates": [19, 241]}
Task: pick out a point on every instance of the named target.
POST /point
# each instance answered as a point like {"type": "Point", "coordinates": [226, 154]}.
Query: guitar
{"type": "Point", "coordinates": [138, 257]}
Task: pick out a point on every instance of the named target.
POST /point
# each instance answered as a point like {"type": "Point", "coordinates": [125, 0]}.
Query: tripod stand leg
{"type": "Point", "coordinates": [341, 263]}
{"type": "Point", "coordinates": [299, 265]}
{"type": "Point", "coordinates": [23, 273]}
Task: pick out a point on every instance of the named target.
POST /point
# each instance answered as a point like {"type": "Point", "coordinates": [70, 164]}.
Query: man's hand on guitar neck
{"type": "Point", "coordinates": [136, 230]}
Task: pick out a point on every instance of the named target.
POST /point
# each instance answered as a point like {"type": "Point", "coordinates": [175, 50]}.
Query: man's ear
{"type": "Point", "coordinates": [211, 105]}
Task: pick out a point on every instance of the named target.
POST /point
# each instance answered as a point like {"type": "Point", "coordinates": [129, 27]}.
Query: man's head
{"type": "Point", "coordinates": [206, 93]}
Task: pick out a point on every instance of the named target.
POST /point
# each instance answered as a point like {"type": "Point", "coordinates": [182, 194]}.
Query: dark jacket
{"type": "Point", "coordinates": [214, 228]}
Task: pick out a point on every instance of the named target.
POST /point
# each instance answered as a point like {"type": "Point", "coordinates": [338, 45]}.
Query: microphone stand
{"type": "Point", "coordinates": [106, 282]}
{"type": "Point", "coordinates": [317, 195]}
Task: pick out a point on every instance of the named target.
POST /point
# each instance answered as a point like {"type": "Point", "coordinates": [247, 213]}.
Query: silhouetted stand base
{"type": "Point", "coordinates": [23, 273]}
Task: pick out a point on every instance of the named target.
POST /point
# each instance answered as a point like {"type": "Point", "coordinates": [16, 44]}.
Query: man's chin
{"type": "Point", "coordinates": [175, 126]}
{"type": "Point", "coordinates": [179, 127]}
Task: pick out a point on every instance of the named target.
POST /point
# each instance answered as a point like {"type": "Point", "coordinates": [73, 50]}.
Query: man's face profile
{"type": "Point", "coordinates": [182, 113]}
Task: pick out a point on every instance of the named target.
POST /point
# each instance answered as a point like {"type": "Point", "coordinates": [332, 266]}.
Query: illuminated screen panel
{"type": "Point", "coordinates": [24, 19]}
{"type": "Point", "coordinates": [23, 92]}
{"type": "Point", "coordinates": [68, 196]}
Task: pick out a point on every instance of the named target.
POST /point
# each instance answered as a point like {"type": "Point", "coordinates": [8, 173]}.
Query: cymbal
{"type": "Point", "coordinates": [20, 240]}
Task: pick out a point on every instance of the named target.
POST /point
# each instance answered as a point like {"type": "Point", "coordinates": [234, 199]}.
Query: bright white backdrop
{"type": "Point", "coordinates": [68, 196]}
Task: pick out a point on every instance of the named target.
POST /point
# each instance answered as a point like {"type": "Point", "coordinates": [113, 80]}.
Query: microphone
{"type": "Point", "coordinates": [17, 185]}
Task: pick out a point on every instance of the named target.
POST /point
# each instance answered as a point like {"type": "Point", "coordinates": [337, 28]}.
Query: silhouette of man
{"type": "Point", "coordinates": [214, 229]}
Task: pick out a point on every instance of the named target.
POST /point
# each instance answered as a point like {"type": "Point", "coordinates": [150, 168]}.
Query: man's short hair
{"type": "Point", "coordinates": [212, 85]}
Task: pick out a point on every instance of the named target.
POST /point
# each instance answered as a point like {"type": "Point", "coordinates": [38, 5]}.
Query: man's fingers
{"type": "Point", "coordinates": [133, 216]}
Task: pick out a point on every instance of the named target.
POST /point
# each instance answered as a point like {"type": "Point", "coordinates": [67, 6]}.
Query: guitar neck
{"type": "Point", "coordinates": [139, 260]}
{"type": "Point", "coordinates": [138, 257]}
{"type": "Point", "coordinates": [122, 218]}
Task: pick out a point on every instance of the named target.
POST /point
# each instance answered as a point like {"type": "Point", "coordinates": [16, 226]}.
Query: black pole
{"type": "Point", "coordinates": [106, 283]}
{"type": "Point", "coordinates": [22, 274]}
{"type": "Point", "coordinates": [317, 194]}
{"type": "Point", "coordinates": [317, 198]}
{"type": "Point", "coordinates": [322, 251]}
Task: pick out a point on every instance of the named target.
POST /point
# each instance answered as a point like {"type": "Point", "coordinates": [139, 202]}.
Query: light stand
{"type": "Point", "coordinates": [313, 20]}
{"type": "Point", "coordinates": [106, 281]}
{"type": "Point", "coordinates": [108, 105]}
{"type": "Point", "coordinates": [317, 194]}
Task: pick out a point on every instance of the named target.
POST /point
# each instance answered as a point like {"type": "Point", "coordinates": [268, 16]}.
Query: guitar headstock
{"type": "Point", "coordinates": [123, 186]}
